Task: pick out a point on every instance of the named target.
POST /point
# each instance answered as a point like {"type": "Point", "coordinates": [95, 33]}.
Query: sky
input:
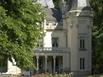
{"type": "Point", "coordinates": [48, 3]}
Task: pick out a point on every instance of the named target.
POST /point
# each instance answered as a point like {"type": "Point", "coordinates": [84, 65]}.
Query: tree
{"type": "Point", "coordinates": [97, 6]}
{"type": "Point", "coordinates": [20, 29]}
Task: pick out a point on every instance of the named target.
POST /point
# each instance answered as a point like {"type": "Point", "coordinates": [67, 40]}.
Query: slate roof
{"type": "Point", "coordinates": [53, 14]}
{"type": "Point", "coordinates": [87, 8]}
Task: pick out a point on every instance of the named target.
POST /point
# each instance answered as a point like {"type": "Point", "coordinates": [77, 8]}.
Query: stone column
{"type": "Point", "coordinates": [45, 63]}
{"type": "Point", "coordinates": [37, 67]}
{"type": "Point", "coordinates": [54, 58]}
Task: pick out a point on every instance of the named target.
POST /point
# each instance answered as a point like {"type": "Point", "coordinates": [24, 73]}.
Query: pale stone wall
{"type": "Point", "coordinates": [66, 62]}
{"type": "Point", "coordinates": [79, 26]}
{"type": "Point", "coordinates": [47, 39]}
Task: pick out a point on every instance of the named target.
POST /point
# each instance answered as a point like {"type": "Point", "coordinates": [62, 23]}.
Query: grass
{"type": "Point", "coordinates": [51, 75]}
{"type": "Point", "coordinates": [96, 75]}
{"type": "Point", "coordinates": [61, 75]}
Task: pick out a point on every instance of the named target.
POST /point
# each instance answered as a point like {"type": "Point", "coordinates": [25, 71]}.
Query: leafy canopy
{"type": "Point", "coordinates": [97, 6]}
{"type": "Point", "coordinates": [20, 29]}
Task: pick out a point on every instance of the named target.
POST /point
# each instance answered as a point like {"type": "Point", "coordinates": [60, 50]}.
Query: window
{"type": "Point", "coordinates": [82, 43]}
{"type": "Point", "coordinates": [55, 42]}
{"type": "Point", "coordinates": [82, 63]}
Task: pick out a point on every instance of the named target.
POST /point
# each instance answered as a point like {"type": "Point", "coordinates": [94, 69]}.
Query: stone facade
{"type": "Point", "coordinates": [67, 39]}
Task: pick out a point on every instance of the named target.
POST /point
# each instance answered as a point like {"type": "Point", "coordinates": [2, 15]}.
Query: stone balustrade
{"type": "Point", "coordinates": [50, 49]}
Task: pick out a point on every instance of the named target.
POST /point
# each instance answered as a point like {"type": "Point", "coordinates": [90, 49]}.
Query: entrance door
{"type": "Point", "coordinates": [41, 64]}
{"type": "Point", "coordinates": [59, 64]}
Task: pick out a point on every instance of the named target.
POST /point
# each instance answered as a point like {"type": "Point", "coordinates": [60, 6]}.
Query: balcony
{"type": "Point", "coordinates": [50, 49]}
{"type": "Point", "coordinates": [54, 27]}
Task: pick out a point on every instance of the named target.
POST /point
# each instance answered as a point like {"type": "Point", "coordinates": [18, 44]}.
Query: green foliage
{"type": "Point", "coordinates": [20, 28]}
{"type": "Point", "coordinates": [64, 75]}
{"type": "Point", "coordinates": [97, 6]}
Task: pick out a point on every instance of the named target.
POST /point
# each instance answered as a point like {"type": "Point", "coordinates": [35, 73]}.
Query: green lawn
{"type": "Point", "coordinates": [96, 76]}
{"type": "Point", "coordinates": [61, 75]}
